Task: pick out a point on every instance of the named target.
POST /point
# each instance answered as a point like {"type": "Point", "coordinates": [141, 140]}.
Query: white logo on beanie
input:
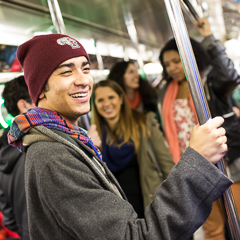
{"type": "Point", "coordinates": [69, 41]}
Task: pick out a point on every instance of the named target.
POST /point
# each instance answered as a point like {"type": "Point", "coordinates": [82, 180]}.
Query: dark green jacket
{"type": "Point", "coordinates": [154, 159]}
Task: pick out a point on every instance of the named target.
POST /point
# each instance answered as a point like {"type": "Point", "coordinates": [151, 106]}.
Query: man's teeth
{"type": "Point", "coordinates": [79, 95]}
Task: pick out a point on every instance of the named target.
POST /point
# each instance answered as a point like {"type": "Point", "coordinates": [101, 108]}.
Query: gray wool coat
{"type": "Point", "coordinates": [72, 195]}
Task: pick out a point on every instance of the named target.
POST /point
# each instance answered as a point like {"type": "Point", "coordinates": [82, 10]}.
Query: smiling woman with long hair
{"type": "Point", "coordinates": [132, 145]}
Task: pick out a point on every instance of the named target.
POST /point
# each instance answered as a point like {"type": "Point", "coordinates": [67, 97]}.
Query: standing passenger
{"type": "Point", "coordinates": [70, 192]}
{"type": "Point", "coordinates": [219, 78]}
{"type": "Point", "coordinates": [133, 147]}
{"type": "Point", "coordinates": [12, 192]}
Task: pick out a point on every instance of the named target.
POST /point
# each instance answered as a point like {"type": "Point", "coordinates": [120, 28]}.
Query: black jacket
{"type": "Point", "coordinates": [219, 82]}
{"type": "Point", "coordinates": [12, 193]}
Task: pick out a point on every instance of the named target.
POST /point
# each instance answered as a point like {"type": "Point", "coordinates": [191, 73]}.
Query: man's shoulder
{"type": "Point", "coordinates": [43, 153]}
{"type": "Point", "coordinates": [50, 149]}
{"type": "Point", "coordinates": [46, 161]}
{"type": "Point", "coordinates": [46, 150]}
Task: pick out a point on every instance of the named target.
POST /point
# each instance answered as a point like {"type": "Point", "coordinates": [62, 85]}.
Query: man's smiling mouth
{"type": "Point", "coordinates": [77, 95]}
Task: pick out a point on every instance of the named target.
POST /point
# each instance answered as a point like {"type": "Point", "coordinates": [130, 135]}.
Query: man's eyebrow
{"type": "Point", "coordinates": [71, 65]}
{"type": "Point", "coordinates": [85, 63]}
{"type": "Point", "coordinates": [65, 65]}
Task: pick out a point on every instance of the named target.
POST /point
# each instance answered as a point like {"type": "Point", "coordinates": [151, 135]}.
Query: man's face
{"type": "Point", "coordinates": [69, 89]}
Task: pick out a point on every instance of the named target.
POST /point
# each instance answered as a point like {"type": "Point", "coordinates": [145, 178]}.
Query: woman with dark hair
{"type": "Point", "coordinates": [201, 55]}
{"type": "Point", "coordinates": [140, 94]}
{"type": "Point", "coordinates": [219, 78]}
{"type": "Point", "coordinates": [174, 96]}
{"type": "Point", "coordinates": [133, 147]}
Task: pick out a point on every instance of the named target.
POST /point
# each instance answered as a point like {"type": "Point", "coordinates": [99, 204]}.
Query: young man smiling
{"type": "Point", "coordinates": [71, 194]}
{"type": "Point", "coordinates": [68, 89]}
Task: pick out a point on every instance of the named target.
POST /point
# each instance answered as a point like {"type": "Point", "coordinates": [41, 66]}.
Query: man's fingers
{"type": "Point", "coordinates": [221, 131]}
{"type": "Point", "coordinates": [225, 147]}
{"type": "Point", "coordinates": [214, 123]}
{"type": "Point", "coordinates": [222, 140]}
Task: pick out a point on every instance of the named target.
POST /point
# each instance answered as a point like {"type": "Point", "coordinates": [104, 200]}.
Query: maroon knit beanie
{"type": "Point", "coordinates": [41, 55]}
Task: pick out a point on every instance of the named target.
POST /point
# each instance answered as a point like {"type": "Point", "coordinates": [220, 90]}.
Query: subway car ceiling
{"type": "Point", "coordinates": [96, 20]}
{"type": "Point", "coordinates": [101, 27]}
{"type": "Point", "coordinates": [94, 23]}
{"type": "Point", "coordinates": [100, 21]}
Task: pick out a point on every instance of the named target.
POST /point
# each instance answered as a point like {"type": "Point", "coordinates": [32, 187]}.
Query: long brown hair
{"type": "Point", "coordinates": [130, 123]}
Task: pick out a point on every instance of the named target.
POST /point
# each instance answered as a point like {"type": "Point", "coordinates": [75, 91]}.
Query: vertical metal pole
{"type": "Point", "coordinates": [56, 16]}
{"type": "Point", "coordinates": [199, 99]}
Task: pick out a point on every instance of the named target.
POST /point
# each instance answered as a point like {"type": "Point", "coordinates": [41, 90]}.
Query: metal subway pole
{"type": "Point", "coordinates": [58, 23]}
{"type": "Point", "coordinates": [191, 9]}
{"type": "Point", "coordinates": [56, 16]}
{"type": "Point", "coordinates": [199, 99]}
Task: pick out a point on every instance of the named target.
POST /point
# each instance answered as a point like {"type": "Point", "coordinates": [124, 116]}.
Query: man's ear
{"type": "Point", "coordinates": [40, 98]}
{"type": "Point", "coordinates": [42, 95]}
{"type": "Point", "coordinates": [23, 105]}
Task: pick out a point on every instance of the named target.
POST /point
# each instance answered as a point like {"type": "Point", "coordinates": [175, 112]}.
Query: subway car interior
{"type": "Point", "coordinates": [112, 31]}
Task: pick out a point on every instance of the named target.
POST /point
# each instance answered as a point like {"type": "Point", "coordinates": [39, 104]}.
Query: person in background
{"type": "Point", "coordinates": [236, 100]}
{"type": "Point", "coordinates": [71, 194]}
{"type": "Point", "coordinates": [5, 233]}
{"type": "Point", "coordinates": [133, 147]}
{"type": "Point", "coordinates": [140, 94]}
{"type": "Point", "coordinates": [12, 192]}
{"type": "Point", "coordinates": [219, 78]}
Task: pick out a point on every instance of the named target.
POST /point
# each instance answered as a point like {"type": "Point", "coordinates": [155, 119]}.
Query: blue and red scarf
{"type": "Point", "coordinates": [43, 117]}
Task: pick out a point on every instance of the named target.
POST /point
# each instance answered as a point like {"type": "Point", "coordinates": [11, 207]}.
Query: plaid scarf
{"type": "Point", "coordinates": [40, 116]}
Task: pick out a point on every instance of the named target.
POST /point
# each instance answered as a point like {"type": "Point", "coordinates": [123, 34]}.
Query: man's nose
{"type": "Point", "coordinates": [81, 78]}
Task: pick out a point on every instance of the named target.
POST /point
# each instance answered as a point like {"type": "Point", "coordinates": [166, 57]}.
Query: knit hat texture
{"type": "Point", "coordinates": [41, 55]}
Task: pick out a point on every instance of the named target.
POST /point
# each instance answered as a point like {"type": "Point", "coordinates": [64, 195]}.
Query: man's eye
{"type": "Point", "coordinates": [86, 69]}
{"type": "Point", "coordinates": [66, 72]}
